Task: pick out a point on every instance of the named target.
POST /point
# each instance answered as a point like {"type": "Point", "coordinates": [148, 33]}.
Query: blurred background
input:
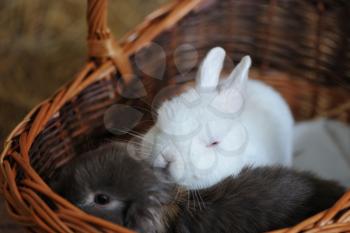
{"type": "Point", "coordinates": [42, 45]}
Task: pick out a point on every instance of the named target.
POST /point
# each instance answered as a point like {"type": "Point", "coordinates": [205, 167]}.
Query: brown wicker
{"type": "Point", "coordinates": [301, 47]}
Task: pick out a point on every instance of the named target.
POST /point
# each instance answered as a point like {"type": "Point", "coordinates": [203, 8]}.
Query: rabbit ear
{"type": "Point", "coordinates": [210, 69]}
{"type": "Point", "coordinates": [239, 76]}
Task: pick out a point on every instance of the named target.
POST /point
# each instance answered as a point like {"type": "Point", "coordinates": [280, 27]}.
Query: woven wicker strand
{"type": "Point", "coordinates": [47, 137]}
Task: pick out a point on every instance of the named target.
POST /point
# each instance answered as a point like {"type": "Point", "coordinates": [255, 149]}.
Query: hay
{"type": "Point", "coordinates": [42, 45]}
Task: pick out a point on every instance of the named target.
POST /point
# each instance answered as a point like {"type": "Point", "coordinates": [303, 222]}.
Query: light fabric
{"type": "Point", "coordinates": [323, 147]}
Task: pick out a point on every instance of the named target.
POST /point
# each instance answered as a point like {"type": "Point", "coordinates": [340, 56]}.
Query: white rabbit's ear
{"type": "Point", "coordinates": [239, 76]}
{"type": "Point", "coordinates": [210, 69]}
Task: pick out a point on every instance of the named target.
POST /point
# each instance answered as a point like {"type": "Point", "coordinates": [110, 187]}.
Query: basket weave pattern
{"type": "Point", "coordinates": [307, 41]}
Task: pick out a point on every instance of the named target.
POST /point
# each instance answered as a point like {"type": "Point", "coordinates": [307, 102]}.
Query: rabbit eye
{"type": "Point", "coordinates": [214, 143]}
{"type": "Point", "coordinates": [101, 199]}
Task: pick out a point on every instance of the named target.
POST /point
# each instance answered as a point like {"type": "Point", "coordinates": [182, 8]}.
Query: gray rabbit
{"type": "Point", "coordinates": [110, 184]}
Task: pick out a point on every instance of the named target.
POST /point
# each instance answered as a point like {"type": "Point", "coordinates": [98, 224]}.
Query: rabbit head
{"type": "Point", "coordinates": [111, 184]}
{"type": "Point", "coordinates": [198, 137]}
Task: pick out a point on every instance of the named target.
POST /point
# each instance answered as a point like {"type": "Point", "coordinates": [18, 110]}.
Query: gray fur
{"type": "Point", "coordinates": [258, 200]}
{"type": "Point", "coordinates": [110, 170]}
{"type": "Point", "coordinates": [255, 200]}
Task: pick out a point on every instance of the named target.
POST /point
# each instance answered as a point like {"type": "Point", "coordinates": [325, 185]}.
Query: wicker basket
{"type": "Point", "coordinates": [300, 47]}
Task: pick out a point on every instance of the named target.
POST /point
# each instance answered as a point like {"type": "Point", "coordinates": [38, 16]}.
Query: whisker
{"type": "Point", "coordinates": [193, 196]}
{"type": "Point", "coordinates": [149, 109]}
{"type": "Point", "coordinates": [196, 198]}
{"type": "Point", "coordinates": [201, 199]}
{"type": "Point", "coordinates": [203, 202]}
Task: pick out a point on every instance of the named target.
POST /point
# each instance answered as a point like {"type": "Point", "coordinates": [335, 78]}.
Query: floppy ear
{"type": "Point", "coordinates": [239, 76]}
{"type": "Point", "coordinates": [209, 72]}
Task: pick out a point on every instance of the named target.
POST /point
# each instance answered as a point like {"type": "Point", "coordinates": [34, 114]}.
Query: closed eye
{"type": "Point", "coordinates": [214, 143]}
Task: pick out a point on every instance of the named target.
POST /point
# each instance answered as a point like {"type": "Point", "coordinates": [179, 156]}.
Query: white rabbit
{"type": "Point", "coordinates": [216, 128]}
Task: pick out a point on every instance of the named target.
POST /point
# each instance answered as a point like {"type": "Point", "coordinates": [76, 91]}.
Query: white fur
{"type": "Point", "coordinates": [250, 121]}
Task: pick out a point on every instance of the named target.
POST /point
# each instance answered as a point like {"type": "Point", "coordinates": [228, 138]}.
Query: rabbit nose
{"type": "Point", "coordinates": [168, 159]}
{"type": "Point", "coordinates": [163, 161]}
